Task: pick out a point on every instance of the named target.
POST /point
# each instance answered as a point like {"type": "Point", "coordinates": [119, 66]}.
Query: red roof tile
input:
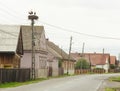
{"type": "Point", "coordinates": [93, 58]}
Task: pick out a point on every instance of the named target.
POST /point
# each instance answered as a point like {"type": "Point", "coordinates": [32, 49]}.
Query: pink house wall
{"type": "Point", "coordinates": [53, 62]}
{"type": "Point", "coordinates": [26, 60]}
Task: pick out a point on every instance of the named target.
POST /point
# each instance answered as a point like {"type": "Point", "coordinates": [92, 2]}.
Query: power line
{"type": "Point", "coordinates": [85, 34]}
{"type": "Point", "coordinates": [61, 28]}
{"type": "Point", "coordinates": [8, 33]}
{"type": "Point", "coordinates": [9, 11]}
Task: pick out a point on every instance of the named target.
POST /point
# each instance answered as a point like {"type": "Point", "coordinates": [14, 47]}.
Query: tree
{"type": "Point", "coordinates": [112, 66]}
{"type": "Point", "coordinates": [82, 63]}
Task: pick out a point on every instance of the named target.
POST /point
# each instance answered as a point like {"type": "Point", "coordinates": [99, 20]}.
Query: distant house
{"type": "Point", "coordinates": [57, 55]}
{"type": "Point", "coordinates": [40, 50]}
{"type": "Point", "coordinates": [96, 60]}
{"type": "Point", "coordinates": [113, 60]}
{"type": "Point", "coordinates": [11, 47]}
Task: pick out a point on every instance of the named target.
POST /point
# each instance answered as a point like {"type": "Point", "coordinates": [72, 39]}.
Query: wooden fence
{"type": "Point", "coordinates": [114, 70]}
{"type": "Point", "coordinates": [14, 75]}
{"type": "Point", "coordinates": [86, 71]}
{"type": "Point", "coordinates": [98, 71]}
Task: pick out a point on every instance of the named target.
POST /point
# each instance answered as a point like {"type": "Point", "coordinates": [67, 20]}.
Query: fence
{"type": "Point", "coordinates": [14, 75]}
{"type": "Point", "coordinates": [114, 70]}
{"type": "Point", "coordinates": [98, 71]}
{"type": "Point", "coordinates": [85, 71]}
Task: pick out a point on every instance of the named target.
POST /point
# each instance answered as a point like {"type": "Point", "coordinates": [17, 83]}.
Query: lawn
{"type": "Point", "coordinates": [110, 89]}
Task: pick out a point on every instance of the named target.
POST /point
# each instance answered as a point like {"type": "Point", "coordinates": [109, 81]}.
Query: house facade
{"type": "Point", "coordinates": [52, 64]}
{"type": "Point", "coordinates": [96, 60]}
{"type": "Point", "coordinates": [53, 61]}
{"type": "Point", "coordinates": [69, 66]}
{"type": "Point", "coordinates": [58, 55]}
{"type": "Point", "coordinates": [40, 50]}
{"type": "Point", "coordinates": [11, 47]}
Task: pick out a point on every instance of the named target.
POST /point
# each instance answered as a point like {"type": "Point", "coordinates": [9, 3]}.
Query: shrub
{"type": "Point", "coordinates": [82, 63]}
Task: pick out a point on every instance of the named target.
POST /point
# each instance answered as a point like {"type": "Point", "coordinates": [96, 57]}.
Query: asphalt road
{"type": "Point", "coordinates": [74, 83]}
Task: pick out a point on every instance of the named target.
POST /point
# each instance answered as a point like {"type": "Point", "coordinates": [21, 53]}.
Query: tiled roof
{"type": "Point", "coordinates": [93, 58]}
{"type": "Point", "coordinates": [53, 52]}
{"type": "Point", "coordinates": [58, 52]}
{"type": "Point", "coordinates": [112, 59]}
{"type": "Point", "coordinates": [9, 35]}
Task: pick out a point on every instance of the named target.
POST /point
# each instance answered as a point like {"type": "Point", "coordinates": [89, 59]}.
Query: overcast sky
{"type": "Point", "coordinates": [92, 17]}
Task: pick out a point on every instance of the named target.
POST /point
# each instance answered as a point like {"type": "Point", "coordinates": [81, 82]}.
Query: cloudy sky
{"type": "Point", "coordinates": [65, 18]}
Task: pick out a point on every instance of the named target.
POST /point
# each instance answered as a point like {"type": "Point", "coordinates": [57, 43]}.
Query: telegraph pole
{"type": "Point", "coordinates": [69, 55]}
{"type": "Point", "coordinates": [32, 16]}
{"type": "Point", "coordinates": [82, 56]}
{"type": "Point", "coordinates": [83, 49]}
{"type": "Point", "coordinates": [90, 62]}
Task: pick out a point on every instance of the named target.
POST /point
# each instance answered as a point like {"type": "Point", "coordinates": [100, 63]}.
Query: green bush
{"type": "Point", "coordinates": [112, 66]}
{"type": "Point", "coordinates": [82, 63]}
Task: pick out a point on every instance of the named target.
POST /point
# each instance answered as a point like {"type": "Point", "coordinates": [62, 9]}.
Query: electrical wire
{"type": "Point", "coordinates": [58, 27]}
{"type": "Point", "coordinates": [8, 33]}
{"type": "Point", "coordinates": [9, 10]}
{"type": "Point", "coordinates": [73, 31]}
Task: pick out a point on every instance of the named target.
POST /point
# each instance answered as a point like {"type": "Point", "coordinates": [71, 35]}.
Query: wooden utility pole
{"type": "Point", "coordinates": [82, 55]}
{"type": "Point", "coordinates": [90, 62]}
{"type": "Point", "coordinates": [83, 49]}
{"type": "Point", "coordinates": [32, 16]}
{"type": "Point", "coordinates": [103, 50]}
{"type": "Point", "coordinates": [103, 55]}
{"type": "Point", "coordinates": [69, 55]}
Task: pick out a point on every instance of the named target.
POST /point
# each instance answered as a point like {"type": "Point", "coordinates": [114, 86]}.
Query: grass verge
{"type": "Point", "coordinates": [110, 89]}
{"type": "Point", "coordinates": [15, 84]}
{"type": "Point", "coordinates": [117, 79]}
